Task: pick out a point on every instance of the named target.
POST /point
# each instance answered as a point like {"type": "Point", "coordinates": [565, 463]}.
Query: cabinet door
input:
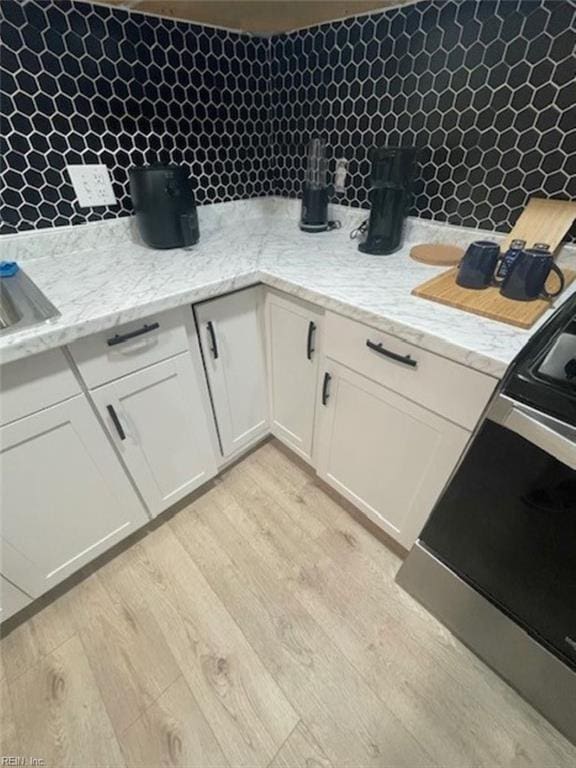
{"type": "Point", "coordinates": [387, 455]}
{"type": "Point", "coordinates": [12, 599]}
{"type": "Point", "coordinates": [293, 344]}
{"type": "Point", "coordinates": [231, 334]}
{"type": "Point", "coordinates": [65, 497]}
{"type": "Point", "coordinates": [158, 419]}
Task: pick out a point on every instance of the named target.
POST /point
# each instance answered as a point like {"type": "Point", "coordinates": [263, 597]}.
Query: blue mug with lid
{"type": "Point", "coordinates": [526, 278]}
{"type": "Point", "coordinates": [476, 270]}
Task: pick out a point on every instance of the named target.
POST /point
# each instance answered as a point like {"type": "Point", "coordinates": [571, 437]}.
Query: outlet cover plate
{"type": "Point", "coordinates": [92, 185]}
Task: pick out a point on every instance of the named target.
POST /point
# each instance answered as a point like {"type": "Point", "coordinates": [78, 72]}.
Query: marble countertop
{"type": "Point", "coordinates": [99, 275]}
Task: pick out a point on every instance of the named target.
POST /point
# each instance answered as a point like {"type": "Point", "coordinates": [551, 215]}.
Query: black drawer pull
{"type": "Point", "coordinates": [325, 390]}
{"type": "Point", "coordinates": [121, 338]}
{"type": "Point", "coordinates": [309, 348]}
{"type": "Point", "coordinates": [116, 422]}
{"type": "Point", "coordinates": [214, 345]}
{"type": "Point", "coordinates": [405, 359]}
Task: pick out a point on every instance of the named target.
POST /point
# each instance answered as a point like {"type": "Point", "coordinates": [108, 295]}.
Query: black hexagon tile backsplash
{"type": "Point", "coordinates": [485, 88]}
{"type": "Point", "coordinates": [83, 83]}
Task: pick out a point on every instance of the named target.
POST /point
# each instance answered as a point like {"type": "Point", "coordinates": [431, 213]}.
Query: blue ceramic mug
{"type": "Point", "coordinates": [476, 270]}
{"type": "Point", "coordinates": [526, 279]}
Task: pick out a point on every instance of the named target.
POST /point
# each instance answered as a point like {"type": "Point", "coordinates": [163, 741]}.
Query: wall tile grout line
{"type": "Point", "coordinates": [485, 89]}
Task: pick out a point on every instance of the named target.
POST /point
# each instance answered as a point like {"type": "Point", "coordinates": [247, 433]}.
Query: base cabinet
{"type": "Point", "coordinates": [231, 332]}
{"type": "Point", "coordinates": [12, 599]}
{"type": "Point", "coordinates": [158, 420]}
{"type": "Point", "coordinates": [293, 348]}
{"type": "Point", "coordinates": [65, 496]}
{"type": "Point", "coordinates": [270, 365]}
{"type": "Point", "coordinates": [387, 455]}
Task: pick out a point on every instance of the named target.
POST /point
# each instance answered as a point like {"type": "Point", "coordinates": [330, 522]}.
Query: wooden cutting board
{"type": "Point", "coordinates": [438, 254]}
{"type": "Point", "coordinates": [488, 302]}
{"type": "Point", "coordinates": [543, 221]}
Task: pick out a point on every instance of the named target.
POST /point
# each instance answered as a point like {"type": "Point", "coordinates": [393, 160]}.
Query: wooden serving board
{"type": "Point", "coordinates": [438, 254]}
{"type": "Point", "coordinates": [543, 221]}
{"type": "Point", "coordinates": [488, 302]}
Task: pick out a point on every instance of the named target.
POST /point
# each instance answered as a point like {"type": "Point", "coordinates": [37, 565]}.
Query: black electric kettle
{"type": "Point", "coordinates": [164, 203]}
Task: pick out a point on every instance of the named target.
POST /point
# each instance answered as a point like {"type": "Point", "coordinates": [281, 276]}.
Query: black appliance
{"type": "Point", "coordinates": [496, 560]}
{"type": "Point", "coordinates": [390, 194]}
{"type": "Point", "coordinates": [164, 203]}
{"type": "Point", "coordinates": [314, 213]}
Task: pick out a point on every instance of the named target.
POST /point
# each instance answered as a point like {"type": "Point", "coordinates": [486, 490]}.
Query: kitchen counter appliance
{"type": "Point", "coordinates": [390, 193]}
{"type": "Point", "coordinates": [496, 561]}
{"type": "Point", "coordinates": [314, 214]}
{"type": "Point", "coordinates": [164, 203]}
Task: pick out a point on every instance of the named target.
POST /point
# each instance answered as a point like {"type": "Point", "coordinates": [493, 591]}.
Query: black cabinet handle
{"type": "Point", "coordinates": [310, 339]}
{"type": "Point", "coordinates": [214, 345]}
{"type": "Point", "coordinates": [121, 338]}
{"type": "Point", "coordinates": [116, 422]}
{"type": "Point", "coordinates": [405, 359]}
{"type": "Point", "coordinates": [325, 391]}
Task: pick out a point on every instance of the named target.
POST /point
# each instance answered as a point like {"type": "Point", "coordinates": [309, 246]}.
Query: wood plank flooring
{"type": "Point", "coordinates": [258, 626]}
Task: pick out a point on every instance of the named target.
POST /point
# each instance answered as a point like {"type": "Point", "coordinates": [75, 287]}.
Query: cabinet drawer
{"type": "Point", "coordinates": [445, 387]}
{"type": "Point", "coordinates": [127, 348]}
{"type": "Point", "coordinates": [34, 383]}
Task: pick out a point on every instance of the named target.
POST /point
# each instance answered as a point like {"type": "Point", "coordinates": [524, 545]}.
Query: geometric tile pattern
{"type": "Point", "coordinates": [486, 90]}
{"type": "Point", "coordinates": [83, 83]}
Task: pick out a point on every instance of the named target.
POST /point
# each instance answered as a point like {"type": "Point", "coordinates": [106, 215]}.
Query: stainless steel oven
{"type": "Point", "coordinates": [496, 561]}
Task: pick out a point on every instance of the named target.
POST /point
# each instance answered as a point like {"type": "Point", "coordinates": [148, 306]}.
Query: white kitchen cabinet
{"type": "Point", "coordinates": [232, 339]}
{"type": "Point", "coordinates": [12, 599]}
{"type": "Point", "coordinates": [387, 455]}
{"type": "Point", "coordinates": [65, 497]}
{"type": "Point", "coordinates": [293, 331]}
{"type": "Point", "coordinates": [159, 421]}
{"type": "Point", "coordinates": [34, 383]}
{"type": "Point", "coordinates": [441, 385]}
{"type": "Point", "coordinates": [126, 348]}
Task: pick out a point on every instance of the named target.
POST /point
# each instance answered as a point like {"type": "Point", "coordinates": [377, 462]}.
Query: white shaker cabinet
{"type": "Point", "coordinates": [293, 346]}
{"type": "Point", "coordinates": [386, 454]}
{"type": "Point", "coordinates": [231, 332]}
{"type": "Point", "coordinates": [65, 497]}
{"type": "Point", "coordinates": [129, 347]}
{"type": "Point", "coordinates": [158, 419]}
{"type": "Point", "coordinates": [12, 599]}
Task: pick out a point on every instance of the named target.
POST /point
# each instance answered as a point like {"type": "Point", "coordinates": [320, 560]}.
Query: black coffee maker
{"type": "Point", "coordinates": [390, 193]}
{"type": "Point", "coordinates": [164, 203]}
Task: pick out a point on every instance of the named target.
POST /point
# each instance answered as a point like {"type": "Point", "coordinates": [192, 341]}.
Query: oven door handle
{"type": "Point", "coordinates": [553, 437]}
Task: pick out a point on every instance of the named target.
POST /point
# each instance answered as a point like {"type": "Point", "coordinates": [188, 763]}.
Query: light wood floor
{"type": "Point", "coordinates": [259, 626]}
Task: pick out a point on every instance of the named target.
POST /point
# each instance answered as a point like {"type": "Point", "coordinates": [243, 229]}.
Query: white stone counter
{"type": "Point", "coordinates": [99, 275]}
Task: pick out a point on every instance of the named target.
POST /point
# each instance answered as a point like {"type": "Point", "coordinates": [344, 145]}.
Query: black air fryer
{"type": "Point", "coordinates": [163, 199]}
{"type": "Point", "coordinates": [391, 181]}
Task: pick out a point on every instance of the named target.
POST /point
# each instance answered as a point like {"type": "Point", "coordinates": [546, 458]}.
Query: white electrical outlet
{"type": "Point", "coordinates": [92, 185]}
